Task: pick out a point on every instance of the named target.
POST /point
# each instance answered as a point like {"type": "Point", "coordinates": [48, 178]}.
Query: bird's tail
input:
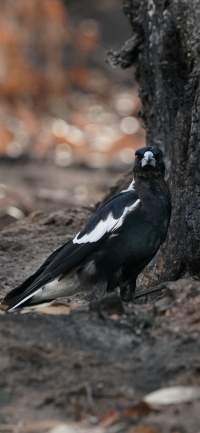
{"type": "Point", "coordinates": [54, 278]}
{"type": "Point", "coordinates": [25, 293]}
{"type": "Point", "coordinates": [13, 301]}
{"type": "Point", "coordinates": [22, 297]}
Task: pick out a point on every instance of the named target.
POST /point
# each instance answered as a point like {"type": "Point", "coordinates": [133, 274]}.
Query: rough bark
{"type": "Point", "coordinates": [165, 50]}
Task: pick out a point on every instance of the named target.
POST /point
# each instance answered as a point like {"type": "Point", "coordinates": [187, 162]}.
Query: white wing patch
{"type": "Point", "coordinates": [131, 187]}
{"type": "Point", "coordinates": [105, 226]}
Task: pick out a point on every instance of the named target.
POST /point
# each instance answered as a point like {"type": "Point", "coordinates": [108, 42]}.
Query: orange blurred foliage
{"type": "Point", "coordinates": [54, 101]}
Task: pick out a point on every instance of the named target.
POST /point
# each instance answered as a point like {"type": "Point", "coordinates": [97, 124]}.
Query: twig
{"type": "Point", "coordinates": [149, 292]}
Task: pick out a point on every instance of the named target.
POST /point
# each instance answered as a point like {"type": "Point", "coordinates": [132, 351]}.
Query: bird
{"type": "Point", "coordinates": [119, 239]}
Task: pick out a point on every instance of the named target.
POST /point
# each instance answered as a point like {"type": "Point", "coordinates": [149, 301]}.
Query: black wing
{"type": "Point", "coordinates": [73, 253]}
{"type": "Point", "coordinates": [115, 207]}
{"type": "Point", "coordinates": [60, 262]}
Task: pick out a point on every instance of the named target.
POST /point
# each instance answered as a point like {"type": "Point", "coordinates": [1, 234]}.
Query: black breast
{"type": "Point", "coordinates": [141, 234]}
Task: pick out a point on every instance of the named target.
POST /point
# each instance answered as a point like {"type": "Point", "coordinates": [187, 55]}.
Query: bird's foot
{"type": "Point", "coordinates": [127, 293]}
{"type": "Point", "coordinates": [107, 306]}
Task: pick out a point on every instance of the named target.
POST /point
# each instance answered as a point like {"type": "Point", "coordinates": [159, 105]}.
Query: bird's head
{"type": "Point", "coordinates": [149, 161]}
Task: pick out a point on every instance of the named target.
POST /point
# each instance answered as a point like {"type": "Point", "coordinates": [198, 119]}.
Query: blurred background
{"type": "Point", "coordinates": [68, 121]}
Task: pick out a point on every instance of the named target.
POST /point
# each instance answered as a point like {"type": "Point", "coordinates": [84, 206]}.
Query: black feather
{"type": "Point", "coordinates": [68, 256]}
{"type": "Point", "coordinates": [57, 264]}
{"type": "Point", "coordinates": [122, 250]}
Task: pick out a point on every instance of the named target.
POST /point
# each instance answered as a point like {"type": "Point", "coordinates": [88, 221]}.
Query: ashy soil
{"type": "Point", "coordinates": [67, 364]}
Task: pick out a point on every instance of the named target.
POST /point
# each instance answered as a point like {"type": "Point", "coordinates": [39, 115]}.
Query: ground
{"type": "Point", "coordinates": [69, 364]}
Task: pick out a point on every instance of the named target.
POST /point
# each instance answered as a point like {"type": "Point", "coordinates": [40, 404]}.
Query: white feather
{"type": "Point", "coordinates": [105, 226]}
{"type": "Point", "coordinates": [131, 187]}
{"type": "Point", "coordinates": [24, 300]}
{"type": "Point", "coordinates": [55, 289]}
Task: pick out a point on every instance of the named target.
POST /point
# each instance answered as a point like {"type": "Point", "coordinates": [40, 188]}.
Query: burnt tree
{"type": "Point", "coordinates": [165, 50]}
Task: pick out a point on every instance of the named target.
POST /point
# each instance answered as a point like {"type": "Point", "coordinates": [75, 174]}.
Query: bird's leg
{"type": "Point", "coordinates": [108, 305]}
{"type": "Point", "coordinates": [127, 290]}
{"type": "Point", "coordinates": [104, 302]}
{"type": "Point", "coordinates": [98, 291]}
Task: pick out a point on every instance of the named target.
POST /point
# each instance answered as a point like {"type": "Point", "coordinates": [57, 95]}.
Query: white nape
{"type": "Point", "coordinates": [105, 226]}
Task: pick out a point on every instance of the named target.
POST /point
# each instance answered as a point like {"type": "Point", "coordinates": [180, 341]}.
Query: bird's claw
{"type": "Point", "coordinates": [127, 294]}
{"type": "Point", "coordinates": [108, 305]}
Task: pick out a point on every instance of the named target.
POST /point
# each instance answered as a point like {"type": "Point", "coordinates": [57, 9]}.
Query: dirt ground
{"type": "Point", "coordinates": [67, 369]}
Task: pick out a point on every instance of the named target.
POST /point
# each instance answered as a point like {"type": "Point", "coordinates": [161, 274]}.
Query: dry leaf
{"type": "Point", "coordinates": [139, 409]}
{"type": "Point", "coordinates": [75, 428]}
{"type": "Point", "coordinates": [173, 395]}
{"type": "Point", "coordinates": [143, 429]}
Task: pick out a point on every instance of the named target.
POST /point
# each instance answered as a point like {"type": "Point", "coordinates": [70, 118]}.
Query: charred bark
{"type": "Point", "coordinates": [165, 50]}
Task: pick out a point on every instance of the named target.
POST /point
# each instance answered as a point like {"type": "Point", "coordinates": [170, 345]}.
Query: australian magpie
{"type": "Point", "coordinates": [118, 241]}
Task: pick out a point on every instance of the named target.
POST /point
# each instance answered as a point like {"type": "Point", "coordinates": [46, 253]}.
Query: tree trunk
{"type": "Point", "coordinates": [165, 50]}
